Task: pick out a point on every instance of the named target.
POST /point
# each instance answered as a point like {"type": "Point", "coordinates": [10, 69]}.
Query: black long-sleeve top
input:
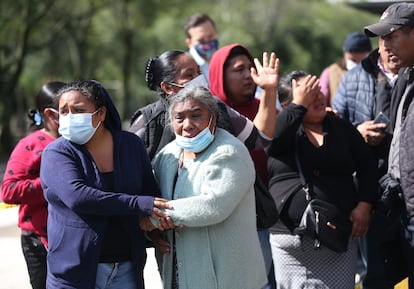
{"type": "Point", "coordinates": [330, 167]}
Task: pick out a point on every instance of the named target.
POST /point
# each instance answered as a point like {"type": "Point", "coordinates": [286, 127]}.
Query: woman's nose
{"type": "Point", "coordinates": [187, 124]}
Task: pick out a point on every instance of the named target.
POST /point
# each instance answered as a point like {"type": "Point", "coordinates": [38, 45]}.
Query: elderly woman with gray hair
{"type": "Point", "coordinates": [208, 175]}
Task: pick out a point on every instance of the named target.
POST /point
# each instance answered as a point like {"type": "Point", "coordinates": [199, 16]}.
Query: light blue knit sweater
{"type": "Point", "coordinates": [214, 200]}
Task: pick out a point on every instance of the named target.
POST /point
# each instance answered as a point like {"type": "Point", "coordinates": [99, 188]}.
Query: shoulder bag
{"type": "Point", "coordinates": [322, 221]}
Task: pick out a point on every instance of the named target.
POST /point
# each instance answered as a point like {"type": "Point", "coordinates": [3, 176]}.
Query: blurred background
{"type": "Point", "coordinates": [111, 40]}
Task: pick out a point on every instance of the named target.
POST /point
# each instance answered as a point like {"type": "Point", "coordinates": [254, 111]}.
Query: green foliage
{"type": "Point", "coordinates": [111, 41]}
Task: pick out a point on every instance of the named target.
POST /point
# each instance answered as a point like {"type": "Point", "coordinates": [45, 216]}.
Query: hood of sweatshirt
{"type": "Point", "coordinates": [216, 76]}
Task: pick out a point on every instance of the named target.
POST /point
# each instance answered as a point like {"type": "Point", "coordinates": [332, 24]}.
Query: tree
{"type": "Point", "coordinates": [111, 41]}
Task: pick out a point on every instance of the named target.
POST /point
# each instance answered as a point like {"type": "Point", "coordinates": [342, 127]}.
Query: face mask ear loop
{"type": "Point", "coordinates": [209, 123]}
{"type": "Point", "coordinates": [99, 123]}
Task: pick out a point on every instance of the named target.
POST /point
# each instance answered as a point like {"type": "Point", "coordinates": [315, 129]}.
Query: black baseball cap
{"type": "Point", "coordinates": [393, 18]}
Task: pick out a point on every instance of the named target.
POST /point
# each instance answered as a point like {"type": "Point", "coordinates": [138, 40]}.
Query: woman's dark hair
{"type": "Point", "coordinates": [47, 97]}
{"type": "Point", "coordinates": [97, 94]}
{"type": "Point", "coordinates": [284, 90]}
{"type": "Point", "coordinates": [161, 68]}
{"type": "Point", "coordinates": [88, 88]}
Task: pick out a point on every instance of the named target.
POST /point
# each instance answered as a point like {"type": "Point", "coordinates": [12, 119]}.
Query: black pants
{"type": "Point", "coordinates": [375, 278]}
{"type": "Point", "coordinates": [35, 255]}
{"type": "Point", "coordinates": [409, 257]}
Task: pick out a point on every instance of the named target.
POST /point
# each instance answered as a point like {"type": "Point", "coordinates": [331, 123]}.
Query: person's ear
{"type": "Point", "coordinates": [188, 42]}
{"type": "Point", "coordinates": [167, 88]}
{"type": "Point", "coordinates": [50, 114]}
{"type": "Point", "coordinates": [102, 113]}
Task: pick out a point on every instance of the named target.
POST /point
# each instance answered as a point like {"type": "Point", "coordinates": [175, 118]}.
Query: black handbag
{"type": "Point", "coordinates": [266, 211]}
{"type": "Point", "coordinates": [323, 221]}
{"type": "Point", "coordinates": [326, 224]}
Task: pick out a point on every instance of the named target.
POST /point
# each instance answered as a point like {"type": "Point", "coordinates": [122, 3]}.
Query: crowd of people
{"type": "Point", "coordinates": [181, 178]}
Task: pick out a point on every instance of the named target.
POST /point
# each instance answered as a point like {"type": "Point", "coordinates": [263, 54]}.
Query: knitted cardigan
{"type": "Point", "coordinates": [213, 198]}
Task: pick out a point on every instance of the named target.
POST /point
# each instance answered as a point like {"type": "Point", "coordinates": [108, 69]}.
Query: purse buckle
{"type": "Point", "coordinates": [307, 194]}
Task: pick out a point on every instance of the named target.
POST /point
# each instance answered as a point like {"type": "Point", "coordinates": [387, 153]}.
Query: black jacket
{"type": "Point", "coordinates": [328, 168]}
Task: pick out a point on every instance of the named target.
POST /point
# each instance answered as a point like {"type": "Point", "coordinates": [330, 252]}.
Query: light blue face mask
{"type": "Point", "coordinates": [198, 143]}
{"type": "Point", "coordinates": [199, 80]}
{"type": "Point", "coordinates": [77, 127]}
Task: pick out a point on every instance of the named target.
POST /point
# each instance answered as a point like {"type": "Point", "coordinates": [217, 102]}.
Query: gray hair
{"type": "Point", "coordinates": [199, 94]}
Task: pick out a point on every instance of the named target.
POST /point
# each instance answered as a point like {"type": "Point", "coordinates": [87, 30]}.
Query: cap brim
{"type": "Point", "coordinates": [380, 29]}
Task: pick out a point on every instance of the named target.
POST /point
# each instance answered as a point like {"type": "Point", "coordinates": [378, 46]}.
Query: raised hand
{"type": "Point", "coordinates": [266, 75]}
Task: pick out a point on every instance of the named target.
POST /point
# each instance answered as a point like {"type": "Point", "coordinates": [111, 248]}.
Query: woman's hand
{"type": "Point", "coordinates": [266, 75]}
{"type": "Point", "coordinates": [158, 238]}
{"type": "Point", "coordinates": [305, 91]}
{"type": "Point", "coordinates": [159, 205]}
{"type": "Point", "coordinates": [145, 224]}
{"type": "Point", "coordinates": [164, 221]}
{"type": "Point", "coordinates": [360, 217]}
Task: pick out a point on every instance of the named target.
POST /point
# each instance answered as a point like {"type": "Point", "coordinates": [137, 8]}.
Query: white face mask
{"type": "Point", "coordinates": [77, 127]}
{"type": "Point", "coordinates": [350, 64]}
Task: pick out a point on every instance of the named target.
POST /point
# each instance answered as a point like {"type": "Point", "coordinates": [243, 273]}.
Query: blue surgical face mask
{"type": "Point", "coordinates": [77, 127]}
{"type": "Point", "coordinates": [206, 49]}
{"type": "Point", "coordinates": [198, 143]}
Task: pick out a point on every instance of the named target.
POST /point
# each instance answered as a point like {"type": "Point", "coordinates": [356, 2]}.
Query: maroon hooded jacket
{"type": "Point", "coordinates": [248, 109]}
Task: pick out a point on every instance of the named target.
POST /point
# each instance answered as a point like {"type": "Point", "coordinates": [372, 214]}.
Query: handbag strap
{"type": "Point", "coordinates": [301, 174]}
{"type": "Point", "coordinates": [306, 189]}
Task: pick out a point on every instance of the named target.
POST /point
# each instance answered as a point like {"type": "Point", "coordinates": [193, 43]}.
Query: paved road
{"type": "Point", "coordinates": [13, 272]}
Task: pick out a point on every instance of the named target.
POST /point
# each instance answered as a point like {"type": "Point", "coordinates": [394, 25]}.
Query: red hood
{"type": "Point", "coordinates": [216, 77]}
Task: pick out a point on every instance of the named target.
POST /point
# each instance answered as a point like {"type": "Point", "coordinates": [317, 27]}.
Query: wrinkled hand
{"type": "Point", "coordinates": [159, 205]}
{"type": "Point", "coordinates": [158, 239]}
{"type": "Point", "coordinates": [306, 90]}
{"type": "Point", "coordinates": [372, 132]}
{"type": "Point", "coordinates": [164, 221]}
{"type": "Point", "coordinates": [266, 76]}
{"type": "Point", "coordinates": [360, 217]}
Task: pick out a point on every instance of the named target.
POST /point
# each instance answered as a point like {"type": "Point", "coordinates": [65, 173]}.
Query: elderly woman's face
{"type": "Point", "coordinates": [190, 117]}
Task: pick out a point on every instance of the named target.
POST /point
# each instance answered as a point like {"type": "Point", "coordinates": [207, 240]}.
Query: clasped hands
{"type": "Point", "coordinates": [158, 219]}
